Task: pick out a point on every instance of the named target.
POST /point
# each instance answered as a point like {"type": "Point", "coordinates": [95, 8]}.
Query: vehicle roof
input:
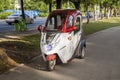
{"type": "Point", "coordinates": [66, 11]}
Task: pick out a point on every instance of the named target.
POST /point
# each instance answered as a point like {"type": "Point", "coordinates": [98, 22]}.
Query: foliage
{"type": "Point", "coordinates": [43, 14]}
{"type": "Point", "coordinates": [35, 5]}
{"type": "Point", "coordinates": [44, 4]}
{"type": "Point", "coordinates": [3, 15]}
{"type": "Point", "coordinates": [4, 4]}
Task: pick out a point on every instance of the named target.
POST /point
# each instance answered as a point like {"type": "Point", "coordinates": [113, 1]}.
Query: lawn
{"type": "Point", "coordinates": [95, 26]}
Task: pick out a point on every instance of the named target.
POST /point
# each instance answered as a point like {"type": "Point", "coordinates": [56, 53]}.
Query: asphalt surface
{"type": "Point", "coordinates": [4, 27]}
{"type": "Point", "coordinates": [102, 62]}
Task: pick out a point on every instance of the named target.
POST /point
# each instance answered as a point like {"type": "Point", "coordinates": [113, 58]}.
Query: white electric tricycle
{"type": "Point", "coordinates": [62, 37]}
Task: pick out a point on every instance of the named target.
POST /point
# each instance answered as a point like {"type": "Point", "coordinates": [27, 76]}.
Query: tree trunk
{"type": "Point", "coordinates": [58, 4]}
{"type": "Point", "coordinates": [50, 7]}
{"type": "Point", "coordinates": [22, 9]}
{"type": "Point", "coordinates": [95, 14]}
{"type": "Point", "coordinates": [101, 11]}
{"type": "Point", "coordinates": [108, 13]}
{"type": "Point", "coordinates": [115, 12]}
{"type": "Point", "coordinates": [105, 12]}
{"type": "Point", "coordinates": [77, 5]}
{"type": "Point", "coordinates": [111, 12]}
{"type": "Point", "coordinates": [87, 13]}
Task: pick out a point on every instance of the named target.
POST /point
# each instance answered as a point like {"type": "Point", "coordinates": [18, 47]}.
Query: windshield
{"type": "Point", "coordinates": [56, 22]}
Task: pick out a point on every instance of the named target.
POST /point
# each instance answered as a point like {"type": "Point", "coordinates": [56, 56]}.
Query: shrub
{"type": "Point", "coordinates": [4, 15]}
{"type": "Point", "coordinates": [43, 14]}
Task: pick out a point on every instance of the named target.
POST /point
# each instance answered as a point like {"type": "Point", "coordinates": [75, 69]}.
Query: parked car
{"type": "Point", "coordinates": [16, 17]}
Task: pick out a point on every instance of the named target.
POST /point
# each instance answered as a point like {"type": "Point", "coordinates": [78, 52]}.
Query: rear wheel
{"type": "Point", "coordinates": [51, 65]}
{"type": "Point", "coordinates": [82, 53]}
{"type": "Point", "coordinates": [31, 21]}
{"type": "Point", "coordinates": [9, 23]}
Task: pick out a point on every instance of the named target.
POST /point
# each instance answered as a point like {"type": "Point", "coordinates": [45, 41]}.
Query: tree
{"type": "Point", "coordinates": [76, 3]}
{"type": "Point", "coordinates": [22, 9]}
{"type": "Point", "coordinates": [59, 4]}
{"type": "Point", "coordinates": [1, 4]}
{"type": "Point", "coordinates": [50, 4]}
{"type": "Point", "coordinates": [86, 5]}
{"type": "Point", "coordinates": [4, 4]}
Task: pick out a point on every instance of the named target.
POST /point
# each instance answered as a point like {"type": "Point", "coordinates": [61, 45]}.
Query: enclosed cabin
{"type": "Point", "coordinates": [63, 21]}
{"type": "Point", "coordinates": [61, 33]}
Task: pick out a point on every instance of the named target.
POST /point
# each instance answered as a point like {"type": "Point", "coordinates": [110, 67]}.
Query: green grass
{"type": "Point", "coordinates": [5, 15]}
{"type": "Point", "coordinates": [34, 40]}
{"type": "Point", "coordinates": [95, 26]}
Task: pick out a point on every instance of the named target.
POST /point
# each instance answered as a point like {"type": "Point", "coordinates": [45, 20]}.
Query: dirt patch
{"type": "Point", "coordinates": [5, 61]}
{"type": "Point", "coordinates": [13, 52]}
{"type": "Point", "coordinates": [19, 51]}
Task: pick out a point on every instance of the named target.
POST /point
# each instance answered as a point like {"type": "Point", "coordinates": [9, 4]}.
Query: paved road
{"type": "Point", "coordinates": [4, 27]}
{"type": "Point", "coordinates": [102, 62]}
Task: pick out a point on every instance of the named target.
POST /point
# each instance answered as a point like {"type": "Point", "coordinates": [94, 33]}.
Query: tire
{"type": "Point", "coordinates": [51, 65]}
{"type": "Point", "coordinates": [9, 23]}
{"type": "Point", "coordinates": [31, 21]}
{"type": "Point", "coordinates": [82, 53]}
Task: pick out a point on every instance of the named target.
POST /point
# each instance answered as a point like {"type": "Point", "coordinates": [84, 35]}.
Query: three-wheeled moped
{"type": "Point", "coordinates": [62, 37]}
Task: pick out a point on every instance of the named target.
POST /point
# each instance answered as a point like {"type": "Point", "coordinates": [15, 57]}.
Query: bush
{"type": "Point", "coordinates": [43, 14]}
{"type": "Point", "coordinates": [4, 15]}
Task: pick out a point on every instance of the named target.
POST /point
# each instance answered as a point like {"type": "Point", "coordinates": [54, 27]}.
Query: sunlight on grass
{"type": "Point", "coordinates": [101, 25]}
{"type": "Point", "coordinates": [34, 40]}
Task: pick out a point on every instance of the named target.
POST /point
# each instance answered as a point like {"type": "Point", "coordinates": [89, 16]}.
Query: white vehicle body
{"type": "Point", "coordinates": [61, 44]}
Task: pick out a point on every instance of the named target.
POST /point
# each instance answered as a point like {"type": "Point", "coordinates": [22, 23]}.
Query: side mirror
{"type": "Point", "coordinates": [72, 28]}
{"type": "Point", "coordinates": [39, 28]}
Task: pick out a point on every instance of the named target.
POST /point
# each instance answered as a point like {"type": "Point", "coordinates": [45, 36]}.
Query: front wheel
{"type": "Point", "coordinates": [51, 65]}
